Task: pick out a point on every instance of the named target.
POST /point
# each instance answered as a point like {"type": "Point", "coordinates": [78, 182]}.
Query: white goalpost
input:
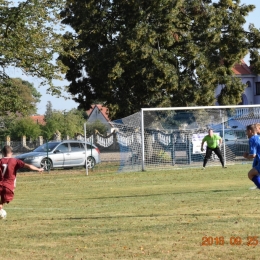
{"type": "Point", "coordinates": [168, 138]}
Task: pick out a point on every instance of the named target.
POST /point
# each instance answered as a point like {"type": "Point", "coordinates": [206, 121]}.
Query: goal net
{"type": "Point", "coordinates": [160, 138]}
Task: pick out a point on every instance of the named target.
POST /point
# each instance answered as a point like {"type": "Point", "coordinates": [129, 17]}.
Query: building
{"type": "Point", "coordinates": [100, 113]}
{"type": "Point", "coordinates": [251, 94]}
{"type": "Point", "coordinates": [38, 119]}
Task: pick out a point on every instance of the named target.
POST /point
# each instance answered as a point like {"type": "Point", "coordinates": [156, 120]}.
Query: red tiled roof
{"type": "Point", "coordinates": [242, 69]}
{"type": "Point", "coordinates": [39, 119]}
{"type": "Point", "coordinates": [103, 110]}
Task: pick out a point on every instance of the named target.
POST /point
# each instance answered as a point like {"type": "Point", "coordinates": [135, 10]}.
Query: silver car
{"type": "Point", "coordinates": [62, 154]}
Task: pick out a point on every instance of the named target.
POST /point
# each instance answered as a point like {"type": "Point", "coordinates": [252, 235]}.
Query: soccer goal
{"type": "Point", "coordinates": [160, 138]}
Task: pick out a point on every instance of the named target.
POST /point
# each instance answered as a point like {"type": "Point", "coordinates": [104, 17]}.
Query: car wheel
{"type": "Point", "coordinates": [90, 162]}
{"type": "Point", "coordinates": [46, 164]}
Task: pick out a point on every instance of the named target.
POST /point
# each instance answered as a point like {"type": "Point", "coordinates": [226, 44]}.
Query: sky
{"type": "Point", "coordinates": [253, 17]}
{"type": "Point", "coordinates": [66, 105]}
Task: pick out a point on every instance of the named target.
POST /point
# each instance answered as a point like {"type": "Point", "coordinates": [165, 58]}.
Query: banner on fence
{"type": "Point", "coordinates": [196, 142]}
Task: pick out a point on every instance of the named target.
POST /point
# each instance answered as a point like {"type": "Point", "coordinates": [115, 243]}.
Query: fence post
{"type": "Point", "coordinates": [40, 140]}
{"type": "Point", "coordinates": [23, 141]}
{"type": "Point", "coordinates": [8, 140]}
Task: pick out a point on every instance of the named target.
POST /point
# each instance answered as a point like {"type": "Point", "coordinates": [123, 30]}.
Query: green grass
{"type": "Point", "coordinates": [146, 215]}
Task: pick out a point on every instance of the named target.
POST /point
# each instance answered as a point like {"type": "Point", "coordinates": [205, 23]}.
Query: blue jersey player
{"type": "Point", "coordinates": [256, 159]}
{"type": "Point", "coordinates": [254, 153]}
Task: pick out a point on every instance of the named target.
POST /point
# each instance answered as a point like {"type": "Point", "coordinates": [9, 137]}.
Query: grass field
{"type": "Point", "coordinates": [65, 214]}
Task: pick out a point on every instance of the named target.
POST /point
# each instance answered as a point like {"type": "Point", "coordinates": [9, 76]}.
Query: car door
{"type": "Point", "coordinates": [61, 155]}
{"type": "Point", "coordinates": [77, 154]}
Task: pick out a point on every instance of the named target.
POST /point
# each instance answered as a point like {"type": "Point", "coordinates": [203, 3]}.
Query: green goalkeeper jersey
{"type": "Point", "coordinates": [212, 142]}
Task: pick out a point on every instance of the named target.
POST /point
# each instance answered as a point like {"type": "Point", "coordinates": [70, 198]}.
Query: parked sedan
{"type": "Point", "coordinates": [62, 154]}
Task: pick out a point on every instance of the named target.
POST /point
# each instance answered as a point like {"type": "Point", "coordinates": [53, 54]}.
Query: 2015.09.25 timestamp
{"type": "Point", "coordinates": [233, 241]}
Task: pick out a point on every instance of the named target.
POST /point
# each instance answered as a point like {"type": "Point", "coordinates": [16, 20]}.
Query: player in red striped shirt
{"type": "Point", "coordinates": [8, 170]}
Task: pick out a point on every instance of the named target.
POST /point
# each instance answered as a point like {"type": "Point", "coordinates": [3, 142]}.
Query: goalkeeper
{"type": "Point", "coordinates": [213, 142]}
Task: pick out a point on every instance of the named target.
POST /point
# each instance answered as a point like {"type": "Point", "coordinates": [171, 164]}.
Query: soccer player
{"type": "Point", "coordinates": [213, 142]}
{"type": "Point", "coordinates": [256, 159]}
{"type": "Point", "coordinates": [8, 169]}
{"type": "Point", "coordinates": [254, 151]}
{"type": "Point", "coordinates": [257, 128]}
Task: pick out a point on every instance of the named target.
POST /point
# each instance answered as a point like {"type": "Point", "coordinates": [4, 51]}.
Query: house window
{"type": "Point", "coordinates": [257, 88]}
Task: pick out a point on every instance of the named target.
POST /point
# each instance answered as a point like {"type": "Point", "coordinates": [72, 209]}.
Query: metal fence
{"type": "Point", "coordinates": [108, 145]}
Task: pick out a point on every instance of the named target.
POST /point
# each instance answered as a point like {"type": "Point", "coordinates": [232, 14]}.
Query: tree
{"type": "Point", "coordinates": [7, 123]}
{"type": "Point", "coordinates": [49, 111]}
{"type": "Point", "coordinates": [10, 100]}
{"type": "Point", "coordinates": [73, 122]}
{"type": "Point", "coordinates": [30, 96]}
{"type": "Point", "coordinates": [18, 96]}
{"type": "Point", "coordinates": [25, 127]}
{"type": "Point", "coordinates": [49, 128]}
{"type": "Point", "coordinates": [157, 53]}
{"type": "Point", "coordinates": [91, 128]}
{"type": "Point", "coordinates": [31, 37]}
{"type": "Point", "coordinates": [67, 123]}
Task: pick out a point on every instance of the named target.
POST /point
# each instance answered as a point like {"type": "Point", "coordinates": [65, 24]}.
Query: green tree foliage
{"type": "Point", "coordinates": [73, 122]}
{"type": "Point", "coordinates": [31, 36]}
{"type": "Point", "coordinates": [50, 128]}
{"type": "Point", "coordinates": [7, 122]}
{"type": "Point", "coordinates": [67, 123]}
{"type": "Point", "coordinates": [25, 127]}
{"type": "Point", "coordinates": [91, 128]}
{"type": "Point", "coordinates": [36, 95]}
{"type": "Point", "coordinates": [157, 53]}
{"type": "Point", "coordinates": [29, 95]}
{"type": "Point", "coordinates": [49, 111]}
{"type": "Point", "coordinates": [18, 96]}
{"type": "Point", "coordinates": [10, 99]}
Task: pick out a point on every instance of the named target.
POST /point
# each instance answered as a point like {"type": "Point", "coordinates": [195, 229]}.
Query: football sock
{"type": "Point", "coordinates": [256, 180]}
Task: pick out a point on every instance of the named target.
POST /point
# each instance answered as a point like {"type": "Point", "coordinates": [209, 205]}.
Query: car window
{"type": "Point", "coordinates": [230, 136]}
{"type": "Point", "coordinates": [234, 134]}
{"type": "Point", "coordinates": [46, 147]}
{"type": "Point", "coordinates": [241, 135]}
{"type": "Point", "coordinates": [89, 146]}
{"type": "Point", "coordinates": [76, 147]}
{"type": "Point", "coordinates": [63, 147]}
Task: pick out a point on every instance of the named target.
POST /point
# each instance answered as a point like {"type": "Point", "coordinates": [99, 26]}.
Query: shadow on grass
{"type": "Point", "coordinates": [159, 194]}
{"type": "Point", "coordinates": [131, 216]}
{"type": "Point", "coordinates": [220, 190]}
{"type": "Point", "coordinates": [201, 214]}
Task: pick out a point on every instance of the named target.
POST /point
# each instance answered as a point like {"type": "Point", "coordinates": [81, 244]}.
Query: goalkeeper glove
{"type": "Point", "coordinates": [202, 149]}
